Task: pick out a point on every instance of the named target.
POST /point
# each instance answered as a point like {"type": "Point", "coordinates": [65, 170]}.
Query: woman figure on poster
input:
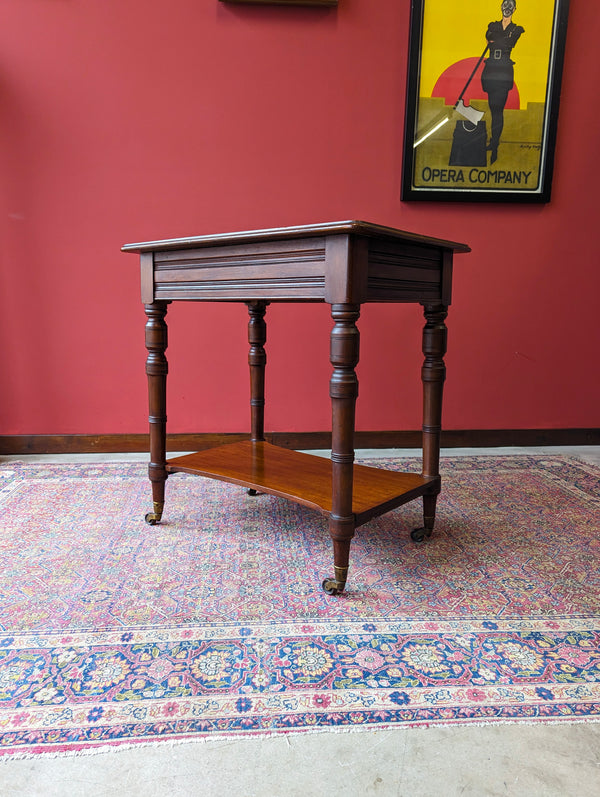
{"type": "Point", "coordinates": [497, 78]}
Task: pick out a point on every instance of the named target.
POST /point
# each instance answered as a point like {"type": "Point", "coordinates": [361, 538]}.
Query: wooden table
{"type": "Point", "coordinates": [342, 264]}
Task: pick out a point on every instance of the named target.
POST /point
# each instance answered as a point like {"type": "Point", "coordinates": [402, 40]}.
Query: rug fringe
{"type": "Point", "coordinates": [117, 746]}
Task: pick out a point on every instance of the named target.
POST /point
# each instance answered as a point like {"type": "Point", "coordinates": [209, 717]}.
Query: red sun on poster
{"type": "Point", "coordinates": [452, 81]}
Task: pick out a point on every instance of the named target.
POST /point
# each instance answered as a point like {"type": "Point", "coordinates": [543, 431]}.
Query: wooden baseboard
{"type": "Point", "coordinates": [125, 443]}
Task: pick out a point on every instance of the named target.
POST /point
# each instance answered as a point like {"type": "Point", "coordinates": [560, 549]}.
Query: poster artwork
{"type": "Point", "coordinates": [483, 95]}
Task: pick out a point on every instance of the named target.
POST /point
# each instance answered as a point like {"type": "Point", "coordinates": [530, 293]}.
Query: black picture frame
{"type": "Point", "coordinates": [453, 150]}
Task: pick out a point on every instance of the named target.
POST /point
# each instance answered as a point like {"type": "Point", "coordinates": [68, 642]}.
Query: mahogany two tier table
{"type": "Point", "coordinates": [342, 264]}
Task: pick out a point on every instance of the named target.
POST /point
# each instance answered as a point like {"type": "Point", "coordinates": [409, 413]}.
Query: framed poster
{"type": "Point", "coordinates": [482, 99]}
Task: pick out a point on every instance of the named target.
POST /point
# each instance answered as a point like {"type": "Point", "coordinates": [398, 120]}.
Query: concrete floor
{"type": "Point", "coordinates": [556, 760]}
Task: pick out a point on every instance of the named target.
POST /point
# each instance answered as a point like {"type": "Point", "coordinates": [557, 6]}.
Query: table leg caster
{"type": "Point", "coordinates": [418, 535]}
{"type": "Point", "coordinates": [335, 586]}
{"type": "Point", "coordinates": [252, 491]}
{"type": "Point", "coordinates": [152, 518]}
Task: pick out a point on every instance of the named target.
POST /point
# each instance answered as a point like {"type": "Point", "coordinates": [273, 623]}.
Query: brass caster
{"type": "Point", "coordinates": [335, 586]}
{"type": "Point", "coordinates": [418, 535]}
{"type": "Point", "coordinates": [152, 518]}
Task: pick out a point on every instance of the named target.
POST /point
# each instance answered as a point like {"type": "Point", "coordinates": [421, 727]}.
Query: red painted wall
{"type": "Point", "coordinates": [123, 120]}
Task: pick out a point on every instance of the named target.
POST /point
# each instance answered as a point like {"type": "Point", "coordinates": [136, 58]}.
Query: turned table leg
{"type": "Point", "coordinates": [156, 370]}
{"type": "Point", "coordinates": [433, 374]}
{"type": "Point", "coordinates": [343, 391]}
{"type": "Point", "coordinates": [257, 361]}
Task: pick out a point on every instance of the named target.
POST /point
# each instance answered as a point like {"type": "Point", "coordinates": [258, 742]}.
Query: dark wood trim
{"type": "Point", "coordinates": [125, 443]}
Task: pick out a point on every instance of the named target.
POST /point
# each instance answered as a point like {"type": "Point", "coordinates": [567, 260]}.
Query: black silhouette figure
{"type": "Point", "coordinates": [497, 78]}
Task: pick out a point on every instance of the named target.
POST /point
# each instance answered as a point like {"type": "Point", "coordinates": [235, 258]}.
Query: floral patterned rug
{"type": "Point", "coordinates": [213, 623]}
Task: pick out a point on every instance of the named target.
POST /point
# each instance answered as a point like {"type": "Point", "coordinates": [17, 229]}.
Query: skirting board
{"type": "Point", "coordinates": [466, 438]}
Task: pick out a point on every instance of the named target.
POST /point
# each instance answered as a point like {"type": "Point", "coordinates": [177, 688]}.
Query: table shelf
{"type": "Point", "coordinates": [303, 478]}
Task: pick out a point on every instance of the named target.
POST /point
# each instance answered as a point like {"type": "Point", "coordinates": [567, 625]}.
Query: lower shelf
{"type": "Point", "coordinates": [304, 478]}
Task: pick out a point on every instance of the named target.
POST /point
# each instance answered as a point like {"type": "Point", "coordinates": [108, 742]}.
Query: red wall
{"type": "Point", "coordinates": [123, 120]}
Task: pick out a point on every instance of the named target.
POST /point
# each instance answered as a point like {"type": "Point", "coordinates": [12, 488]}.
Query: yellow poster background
{"type": "Point", "coordinates": [453, 31]}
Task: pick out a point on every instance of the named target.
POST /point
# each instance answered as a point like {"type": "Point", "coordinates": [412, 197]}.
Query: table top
{"type": "Point", "coordinates": [361, 228]}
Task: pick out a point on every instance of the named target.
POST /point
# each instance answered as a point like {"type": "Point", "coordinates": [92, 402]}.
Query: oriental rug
{"type": "Point", "coordinates": [213, 624]}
